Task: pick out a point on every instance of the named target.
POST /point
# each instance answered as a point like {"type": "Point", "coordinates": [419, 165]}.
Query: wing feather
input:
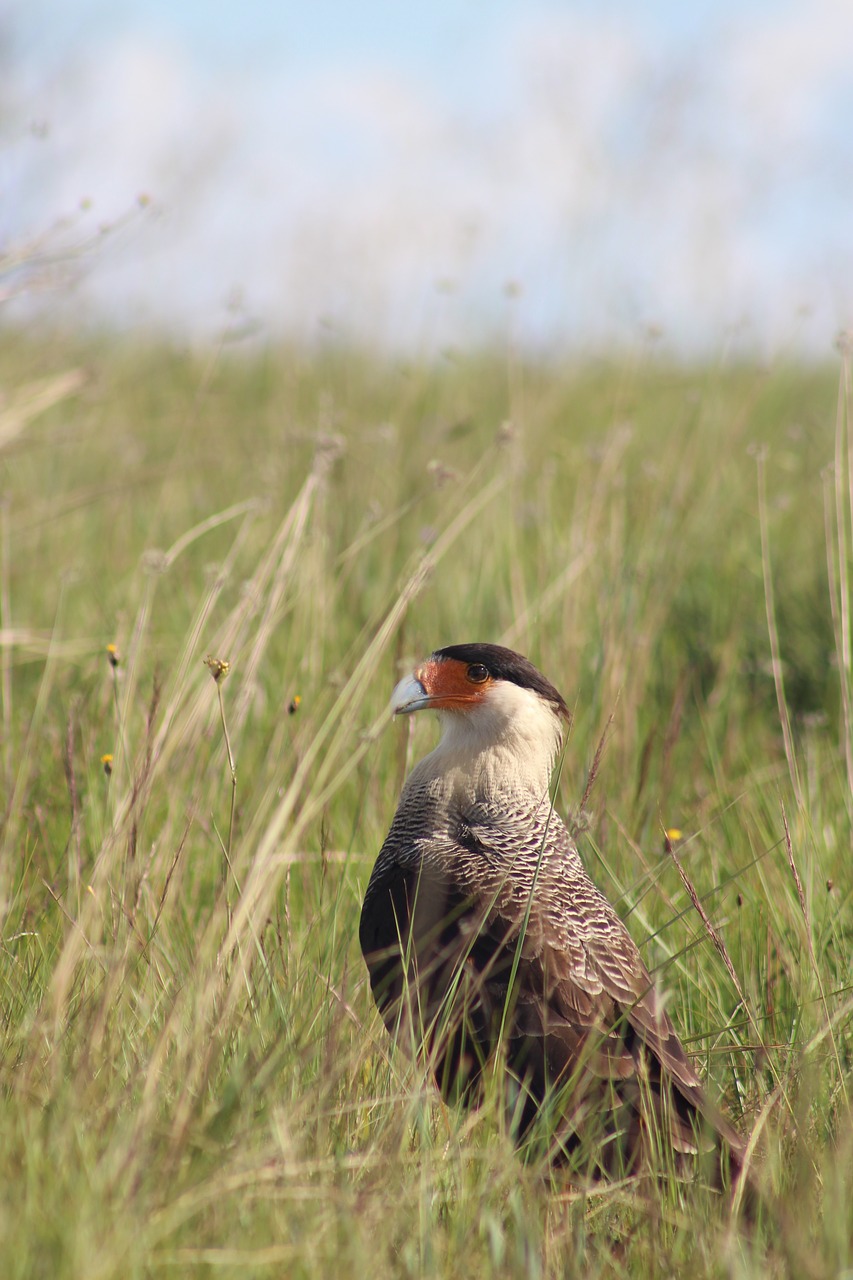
{"type": "Point", "coordinates": [532, 947]}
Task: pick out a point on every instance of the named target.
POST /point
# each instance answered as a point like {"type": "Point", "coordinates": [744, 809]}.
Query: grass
{"type": "Point", "coordinates": [193, 1080]}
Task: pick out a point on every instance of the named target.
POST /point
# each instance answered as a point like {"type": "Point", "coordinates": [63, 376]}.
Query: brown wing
{"type": "Point", "coordinates": [436, 972]}
{"type": "Point", "coordinates": [603, 1037]}
{"type": "Point", "coordinates": [586, 1037]}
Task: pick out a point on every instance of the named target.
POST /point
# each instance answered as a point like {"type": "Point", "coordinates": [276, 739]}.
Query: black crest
{"type": "Point", "coordinates": [506, 664]}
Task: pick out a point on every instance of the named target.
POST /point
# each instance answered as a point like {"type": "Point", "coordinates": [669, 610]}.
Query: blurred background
{"type": "Point", "coordinates": [571, 175]}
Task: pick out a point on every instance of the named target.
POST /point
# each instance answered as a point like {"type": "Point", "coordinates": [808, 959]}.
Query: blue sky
{"type": "Point", "coordinates": [437, 174]}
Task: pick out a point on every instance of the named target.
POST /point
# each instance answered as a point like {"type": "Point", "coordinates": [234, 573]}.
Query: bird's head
{"type": "Point", "coordinates": [494, 707]}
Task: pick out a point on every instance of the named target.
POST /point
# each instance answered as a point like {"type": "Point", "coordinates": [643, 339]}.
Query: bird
{"type": "Point", "coordinates": [487, 942]}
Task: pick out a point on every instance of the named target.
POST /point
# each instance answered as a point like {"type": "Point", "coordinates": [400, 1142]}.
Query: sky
{"type": "Point", "coordinates": [572, 175]}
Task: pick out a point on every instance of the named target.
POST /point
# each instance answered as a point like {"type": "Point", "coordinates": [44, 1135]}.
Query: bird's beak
{"type": "Point", "coordinates": [410, 695]}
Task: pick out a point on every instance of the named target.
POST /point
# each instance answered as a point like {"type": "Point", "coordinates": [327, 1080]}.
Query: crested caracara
{"type": "Point", "coordinates": [486, 940]}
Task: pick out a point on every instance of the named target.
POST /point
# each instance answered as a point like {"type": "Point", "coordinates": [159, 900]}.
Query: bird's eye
{"type": "Point", "coordinates": [477, 673]}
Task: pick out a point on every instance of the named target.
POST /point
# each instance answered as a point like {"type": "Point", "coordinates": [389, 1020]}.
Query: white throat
{"type": "Point", "coordinates": [506, 744]}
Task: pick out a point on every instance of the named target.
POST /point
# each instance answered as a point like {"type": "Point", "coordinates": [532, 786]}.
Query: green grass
{"type": "Point", "coordinates": [193, 1080]}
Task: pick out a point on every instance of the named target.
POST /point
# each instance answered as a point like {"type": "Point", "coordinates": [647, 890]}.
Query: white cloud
{"type": "Point", "coordinates": [621, 178]}
{"type": "Point", "coordinates": [785, 71]}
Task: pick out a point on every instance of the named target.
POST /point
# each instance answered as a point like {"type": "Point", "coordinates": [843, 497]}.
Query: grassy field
{"type": "Point", "coordinates": [193, 1079]}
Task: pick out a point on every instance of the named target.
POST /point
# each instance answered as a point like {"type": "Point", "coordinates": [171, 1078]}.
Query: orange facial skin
{"type": "Point", "coordinates": [449, 686]}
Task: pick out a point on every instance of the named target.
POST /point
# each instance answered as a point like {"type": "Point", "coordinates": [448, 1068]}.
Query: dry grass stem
{"type": "Point", "coordinates": [778, 677]}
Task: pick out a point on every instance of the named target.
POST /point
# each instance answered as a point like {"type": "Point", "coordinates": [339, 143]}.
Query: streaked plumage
{"type": "Point", "coordinates": [481, 928]}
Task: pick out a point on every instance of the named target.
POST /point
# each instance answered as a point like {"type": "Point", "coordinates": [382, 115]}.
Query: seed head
{"type": "Point", "coordinates": [218, 668]}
